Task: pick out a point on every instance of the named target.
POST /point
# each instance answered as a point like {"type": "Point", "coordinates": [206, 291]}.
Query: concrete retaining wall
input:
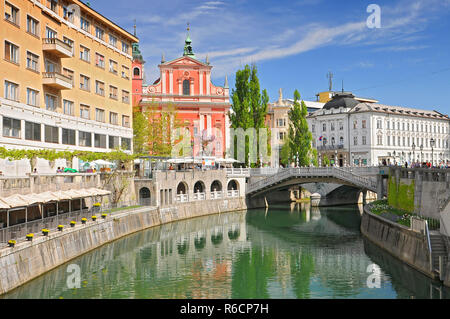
{"type": "Point", "coordinates": [409, 246]}
{"type": "Point", "coordinates": [28, 260]}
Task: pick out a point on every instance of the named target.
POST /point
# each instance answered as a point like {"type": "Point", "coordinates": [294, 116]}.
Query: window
{"type": "Point", "coordinates": [68, 107]}
{"type": "Point", "coordinates": [100, 140]}
{"type": "Point", "coordinates": [99, 33]}
{"type": "Point", "coordinates": [332, 126]}
{"type": "Point", "coordinates": [32, 97]}
{"type": "Point", "coordinates": [49, 33]}
{"type": "Point", "coordinates": [51, 134]}
{"type": "Point", "coordinates": [52, 5]}
{"type": "Point", "coordinates": [50, 102]}
{"type": "Point", "coordinates": [84, 83]}
{"type": "Point", "coordinates": [403, 139]}
{"type": "Point", "coordinates": [186, 87]}
{"type": "Point", "coordinates": [125, 72]}
{"type": "Point", "coordinates": [85, 54]}
{"type": "Point", "coordinates": [125, 47]}
{"type": "Point", "coordinates": [32, 131]}
{"type": "Point", "coordinates": [363, 124]}
{"type": "Point", "coordinates": [50, 66]}
{"type": "Point", "coordinates": [399, 141]}
{"type": "Point", "coordinates": [32, 61]}
{"type": "Point", "coordinates": [403, 126]}
{"type": "Point", "coordinates": [126, 143]}
{"type": "Point", "coordinates": [136, 72]}
{"type": "Point", "coordinates": [11, 52]}
{"type": "Point", "coordinates": [355, 125]}
{"type": "Point", "coordinates": [125, 96]}
{"type": "Point", "coordinates": [68, 136]}
{"type": "Point", "coordinates": [11, 13]}
{"type": "Point", "coordinates": [113, 41]}
{"type": "Point", "coordinates": [341, 141]}
{"type": "Point", "coordinates": [11, 127]}
{"type": "Point", "coordinates": [84, 112]}
{"type": "Point", "coordinates": [84, 139]}
{"type": "Point", "coordinates": [32, 26]}
{"type": "Point", "coordinates": [379, 124]}
{"type": "Point", "coordinates": [100, 60]}
{"type": "Point", "coordinates": [364, 140]}
{"type": "Point", "coordinates": [100, 115]}
{"type": "Point", "coordinates": [113, 66]}
{"type": "Point", "coordinates": [380, 139]}
{"type": "Point", "coordinates": [113, 118]}
{"type": "Point", "coordinates": [324, 127]}
{"type": "Point", "coordinates": [11, 91]}
{"type": "Point", "coordinates": [388, 140]}
{"type": "Point", "coordinates": [125, 121]}
{"type": "Point", "coordinates": [100, 88]}
{"type": "Point", "coordinates": [84, 24]}
{"type": "Point", "coordinates": [393, 140]}
{"type": "Point", "coordinates": [355, 140]}
{"type": "Point", "coordinates": [69, 42]}
{"type": "Point", "coordinates": [68, 73]}
{"type": "Point", "coordinates": [113, 92]}
{"type": "Point", "coordinates": [114, 142]}
{"type": "Point", "coordinates": [341, 126]}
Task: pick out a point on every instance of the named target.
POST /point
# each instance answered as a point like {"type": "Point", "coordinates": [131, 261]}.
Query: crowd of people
{"type": "Point", "coordinates": [427, 164]}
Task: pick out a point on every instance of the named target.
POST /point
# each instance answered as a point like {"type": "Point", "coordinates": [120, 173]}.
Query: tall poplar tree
{"type": "Point", "coordinates": [299, 137]}
{"type": "Point", "coordinates": [250, 106]}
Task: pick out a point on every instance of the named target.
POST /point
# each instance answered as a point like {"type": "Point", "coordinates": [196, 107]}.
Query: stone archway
{"type": "Point", "coordinates": [216, 186]}
{"type": "Point", "coordinates": [182, 188]}
{"type": "Point", "coordinates": [199, 187]}
{"type": "Point", "coordinates": [144, 196]}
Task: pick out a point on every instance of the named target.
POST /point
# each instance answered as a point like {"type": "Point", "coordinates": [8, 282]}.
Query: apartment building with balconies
{"type": "Point", "coordinates": [65, 79]}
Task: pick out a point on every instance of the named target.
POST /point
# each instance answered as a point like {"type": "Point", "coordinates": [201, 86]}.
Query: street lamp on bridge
{"type": "Point", "coordinates": [432, 143]}
{"type": "Point", "coordinates": [421, 154]}
{"type": "Point", "coordinates": [414, 154]}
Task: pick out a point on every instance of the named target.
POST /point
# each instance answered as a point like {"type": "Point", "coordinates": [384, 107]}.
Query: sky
{"type": "Point", "coordinates": [294, 44]}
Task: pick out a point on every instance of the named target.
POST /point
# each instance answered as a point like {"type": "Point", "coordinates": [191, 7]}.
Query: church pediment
{"type": "Point", "coordinates": [185, 60]}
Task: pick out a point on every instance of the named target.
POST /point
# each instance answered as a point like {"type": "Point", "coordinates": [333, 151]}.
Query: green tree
{"type": "Point", "coordinates": [299, 136]}
{"type": "Point", "coordinates": [326, 161]}
{"type": "Point", "coordinates": [141, 131]}
{"type": "Point", "coordinates": [285, 154]}
{"type": "Point", "coordinates": [249, 108]}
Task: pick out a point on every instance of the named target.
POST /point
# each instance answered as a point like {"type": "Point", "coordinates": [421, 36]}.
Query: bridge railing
{"type": "Point", "coordinates": [244, 172]}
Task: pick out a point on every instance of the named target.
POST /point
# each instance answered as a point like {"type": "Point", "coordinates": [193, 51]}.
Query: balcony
{"type": "Point", "coordinates": [57, 47]}
{"type": "Point", "coordinates": [57, 81]}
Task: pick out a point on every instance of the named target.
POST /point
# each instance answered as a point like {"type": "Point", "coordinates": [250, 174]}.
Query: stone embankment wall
{"type": "Point", "coordinates": [409, 246]}
{"type": "Point", "coordinates": [28, 260]}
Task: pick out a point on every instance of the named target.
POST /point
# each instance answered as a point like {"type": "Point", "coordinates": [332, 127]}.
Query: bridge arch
{"type": "Point", "coordinates": [145, 196]}
{"type": "Point", "coordinates": [233, 185]}
{"type": "Point", "coordinates": [199, 187]}
{"type": "Point", "coordinates": [216, 186]}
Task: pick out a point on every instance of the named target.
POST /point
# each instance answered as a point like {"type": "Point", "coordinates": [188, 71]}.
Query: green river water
{"type": "Point", "coordinates": [284, 252]}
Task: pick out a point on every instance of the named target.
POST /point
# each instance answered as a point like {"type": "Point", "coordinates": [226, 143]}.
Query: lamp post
{"type": "Point", "coordinates": [296, 160]}
{"type": "Point", "coordinates": [335, 158]}
{"type": "Point", "coordinates": [413, 149]}
{"type": "Point", "coordinates": [421, 154]}
{"type": "Point", "coordinates": [432, 143]}
{"type": "Point", "coordinates": [395, 159]}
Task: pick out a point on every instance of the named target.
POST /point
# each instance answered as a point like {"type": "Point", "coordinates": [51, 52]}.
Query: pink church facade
{"type": "Point", "coordinates": [185, 83]}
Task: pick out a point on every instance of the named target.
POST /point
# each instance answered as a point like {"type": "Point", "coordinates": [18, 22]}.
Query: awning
{"type": "Point", "coordinates": [102, 192]}
{"type": "Point", "coordinates": [102, 162]}
{"type": "Point", "coordinates": [79, 193]}
{"type": "Point", "coordinates": [17, 201]}
{"type": "Point", "coordinates": [46, 197]}
{"type": "Point", "coordinates": [62, 195]}
{"type": "Point", "coordinates": [4, 205]}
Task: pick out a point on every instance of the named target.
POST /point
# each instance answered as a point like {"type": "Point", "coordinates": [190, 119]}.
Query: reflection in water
{"type": "Point", "coordinates": [283, 252]}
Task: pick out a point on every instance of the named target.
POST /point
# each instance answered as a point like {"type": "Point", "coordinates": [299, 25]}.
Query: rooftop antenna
{"type": "Point", "coordinates": [330, 76]}
{"type": "Point", "coordinates": [342, 86]}
{"type": "Point", "coordinates": [134, 27]}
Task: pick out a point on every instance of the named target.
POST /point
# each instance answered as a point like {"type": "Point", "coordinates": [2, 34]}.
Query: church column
{"type": "Point", "coordinates": [191, 82]}
{"type": "Point", "coordinates": [208, 82]}
{"type": "Point", "coordinates": [180, 89]}
{"type": "Point", "coordinates": [171, 81]}
{"type": "Point", "coordinates": [163, 81]}
{"type": "Point", "coordinates": [208, 124]}
{"type": "Point", "coordinates": [227, 133]}
{"type": "Point", "coordinates": [201, 83]}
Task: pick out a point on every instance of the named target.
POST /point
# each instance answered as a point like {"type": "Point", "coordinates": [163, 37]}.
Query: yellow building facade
{"type": "Point", "coordinates": [65, 77]}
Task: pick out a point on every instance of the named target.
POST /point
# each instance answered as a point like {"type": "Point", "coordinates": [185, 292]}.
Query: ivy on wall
{"type": "Point", "coordinates": [401, 195]}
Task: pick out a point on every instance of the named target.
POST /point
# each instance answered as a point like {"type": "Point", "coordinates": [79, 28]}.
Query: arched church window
{"type": "Point", "coordinates": [186, 87]}
{"type": "Point", "coordinates": [136, 72]}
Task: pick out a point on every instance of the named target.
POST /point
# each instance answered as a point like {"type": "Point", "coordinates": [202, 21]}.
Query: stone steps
{"type": "Point", "coordinates": [438, 249]}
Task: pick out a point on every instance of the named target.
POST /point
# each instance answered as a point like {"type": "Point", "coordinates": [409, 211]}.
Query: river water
{"type": "Point", "coordinates": [284, 252]}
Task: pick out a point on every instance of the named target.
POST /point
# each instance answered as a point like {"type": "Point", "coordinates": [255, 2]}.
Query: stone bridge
{"type": "Point", "coordinates": [349, 183]}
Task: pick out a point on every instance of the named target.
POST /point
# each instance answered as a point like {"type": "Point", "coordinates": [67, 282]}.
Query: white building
{"type": "Point", "coordinates": [350, 132]}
